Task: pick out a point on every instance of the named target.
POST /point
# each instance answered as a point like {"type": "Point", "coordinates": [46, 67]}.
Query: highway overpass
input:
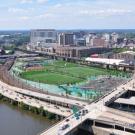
{"type": "Point", "coordinates": [49, 102]}
{"type": "Point", "coordinates": [95, 110]}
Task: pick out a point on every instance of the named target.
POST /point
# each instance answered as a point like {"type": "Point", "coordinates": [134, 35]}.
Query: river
{"type": "Point", "coordinates": [14, 121]}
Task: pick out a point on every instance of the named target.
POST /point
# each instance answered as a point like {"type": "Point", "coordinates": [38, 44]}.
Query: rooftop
{"type": "Point", "coordinates": [43, 30]}
{"type": "Point", "coordinates": [76, 47]}
{"type": "Point", "coordinates": [128, 52]}
{"type": "Point", "coordinates": [105, 61]}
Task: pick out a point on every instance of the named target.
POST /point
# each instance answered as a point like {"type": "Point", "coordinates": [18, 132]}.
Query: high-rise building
{"type": "Point", "coordinates": [89, 38]}
{"type": "Point", "coordinates": [115, 37]}
{"type": "Point", "coordinates": [43, 36]}
{"type": "Point", "coordinates": [80, 42]}
{"type": "Point", "coordinates": [98, 42]}
{"type": "Point", "coordinates": [66, 39]}
{"type": "Point", "coordinates": [107, 37]}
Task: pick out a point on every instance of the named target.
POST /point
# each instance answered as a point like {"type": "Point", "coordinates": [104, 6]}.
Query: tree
{"type": "Point", "coordinates": [79, 94]}
{"type": "Point", "coordinates": [41, 110]}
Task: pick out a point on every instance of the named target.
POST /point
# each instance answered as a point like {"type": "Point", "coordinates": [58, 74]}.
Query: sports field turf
{"type": "Point", "coordinates": [49, 78]}
{"type": "Point", "coordinates": [60, 72]}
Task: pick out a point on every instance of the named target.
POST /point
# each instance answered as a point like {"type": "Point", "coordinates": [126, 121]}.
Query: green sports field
{"type": "Point", "coordinates": [60, 72]}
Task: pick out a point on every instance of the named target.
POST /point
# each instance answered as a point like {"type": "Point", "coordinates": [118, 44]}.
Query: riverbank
{"type": "Point", "coordinates": [24, 107]}
{"type": "Point", "coordinates": [21, 122]}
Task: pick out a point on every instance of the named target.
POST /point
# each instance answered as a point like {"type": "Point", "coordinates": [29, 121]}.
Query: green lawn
{"type": "Point", "coordinates": [49, 78]}
{"type": "Point", "coordinates": [60, 73]}
{"type": "Point", "coordinates": [83, 71]}
{"type": "Point", "coordinates": [62, 64]}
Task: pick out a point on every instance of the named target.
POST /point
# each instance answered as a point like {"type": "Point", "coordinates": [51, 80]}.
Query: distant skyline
{"type": "Point", "coordinates": [67, 14]}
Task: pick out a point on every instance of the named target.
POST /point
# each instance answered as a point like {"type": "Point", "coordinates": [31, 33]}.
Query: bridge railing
{"type": "Point", "coordinates": [54, 125]}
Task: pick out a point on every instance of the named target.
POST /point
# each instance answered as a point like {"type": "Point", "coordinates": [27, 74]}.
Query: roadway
{"type": "Point", "coordinates": [95, 110]}
{"type": "Point", "coordinates": [73, 122]}
{"type": "Point", "coordinates": [59, 110]}
{"type": "Point", "coordinates": [19, 55]}
{"type": "Point", "coordinates": [45, 96]}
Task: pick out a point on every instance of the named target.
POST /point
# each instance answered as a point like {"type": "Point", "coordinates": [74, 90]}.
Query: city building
{"type": "Point", "coordinates": [127, 56]}
{"type": "Point", "coordinates": [74, 51]}
{"type": "Point", "coordinates": [98, 42]}
{"type": "Point", "coordinates": [130, 46]}
{"type": "Point", "coordinates": [66, 39]}
{"type": "Point", "coordinates": [79, 34]}
{"type": "Point", "coordinates": [80, 42]}
{"type": "Point", "coordinates": [107, 37]}
{"type": "Point", "coordinates": [2, 51]}
{"type": "Point", "coordinates": [65, 51]}
{"type": "Point", "coordinates": [114, 37]}
{"type": "Point", "coordinates": [41, 37]}
{"type": "Point", "coordinates": [89, 38]}
{"type": "Point", "coordinates": [120, 41]}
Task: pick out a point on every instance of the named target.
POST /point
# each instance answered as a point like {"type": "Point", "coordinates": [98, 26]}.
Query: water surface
{"type": "Point", "coordinates": [14, 121]}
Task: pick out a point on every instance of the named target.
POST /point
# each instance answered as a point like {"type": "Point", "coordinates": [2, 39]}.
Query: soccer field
{"type": "Point", "coordinates": [49, 78]}
{"type": "Point", "coordinates": [60, 72]}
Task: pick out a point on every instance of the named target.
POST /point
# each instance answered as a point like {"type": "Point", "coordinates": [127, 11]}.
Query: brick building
{"type": "Point", "coordinates": [81, 51]}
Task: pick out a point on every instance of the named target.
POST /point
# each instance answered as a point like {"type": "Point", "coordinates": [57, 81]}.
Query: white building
{"type": "Point", "coordinates": [105, 61]}
{"type": "Point", "coordinates": [41, 37]}
{"type": "Point", "coordinates": [115, 37]}
{"type": "Point", "coordinates": [107, 37]}
{"type": "Point", "coordinates": [89, 39]}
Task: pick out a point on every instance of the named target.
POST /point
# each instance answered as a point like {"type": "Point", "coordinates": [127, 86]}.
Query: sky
{"type": "Point", "coordinates": [67, 14]}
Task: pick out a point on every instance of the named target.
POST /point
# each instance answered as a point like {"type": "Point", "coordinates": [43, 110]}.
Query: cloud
{"type": "Point", "coordinates": [69, 13]}
{"type": "Point", "coordinates": [33, 1]}
{"type": "Point", "coordinates": [26, 1]}
{"type": "Point", "coordinates": [46, 15]}
{"type": "Point", "coordinates": [24, 18]}
{"type": "Point", "coordinates": [16, 10]}
{"type": "Point", "coordinates": [58, 5]}
{"type": "Point", "coordinates": [106, 12]}
{"type": "Point", "coordinates": [42, 1]}
{"type": "Point", "coordinates": [20, 10]}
